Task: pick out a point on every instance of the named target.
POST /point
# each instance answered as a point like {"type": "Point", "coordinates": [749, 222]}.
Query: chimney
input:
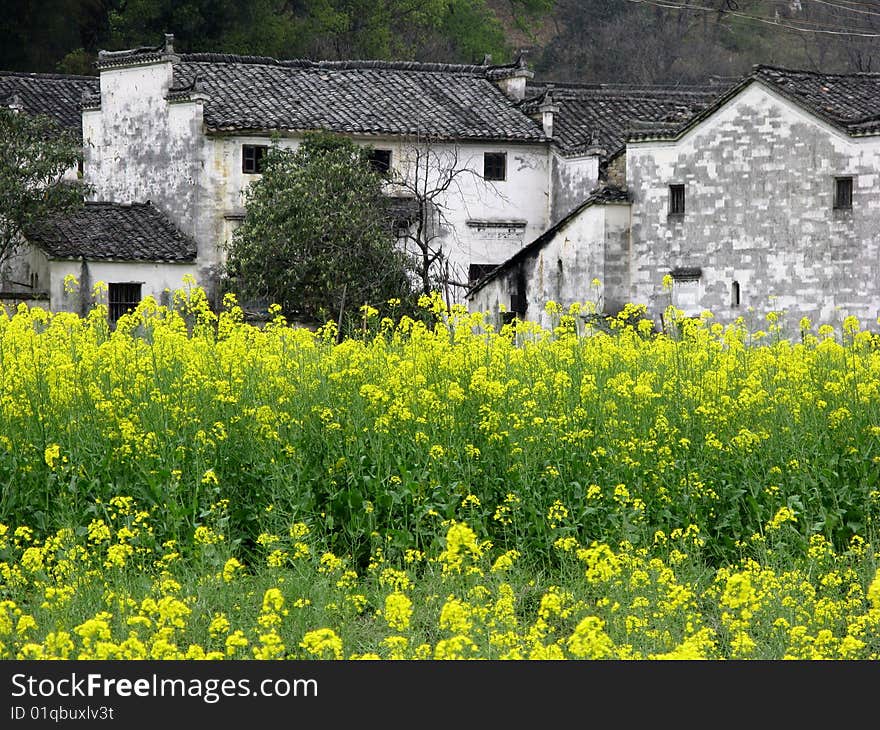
{"type": "Point", "coordinates": [168, 49]}
{"type": "Point", "coordinates": [512, 79]}
{"type": "Point", "coordinates": [548, 109]}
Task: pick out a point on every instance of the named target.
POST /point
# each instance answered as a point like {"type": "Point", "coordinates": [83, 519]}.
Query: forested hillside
{"type": "Point", "coordinates": [631, 41]}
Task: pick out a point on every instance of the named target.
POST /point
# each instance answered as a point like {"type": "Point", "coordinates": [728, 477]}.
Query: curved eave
{"type": "Point", "coordinates": [114, 260]}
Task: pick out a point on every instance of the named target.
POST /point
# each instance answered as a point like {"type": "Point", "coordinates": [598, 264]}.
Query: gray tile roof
{"type": "Point", "coordinates": [114, 231]}
{"type": "Point", "coordinates": [601, 116]}
{"type": "Point", "coordinates": [54, 95]}
{"type": "Point", "coordinates": [446, 101]}
{"type": "Point", "coordinates": [850, 101]}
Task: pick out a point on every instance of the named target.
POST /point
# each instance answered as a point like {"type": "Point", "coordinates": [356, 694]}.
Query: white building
{"type": "Point", "coordinates": [764, 199]}
{"type": "Point", "coordinates": [759, 195]}
{"type": "Point", "coordinates": [187, 132]}
{"type": "Point", "coordinates": [134, 249]}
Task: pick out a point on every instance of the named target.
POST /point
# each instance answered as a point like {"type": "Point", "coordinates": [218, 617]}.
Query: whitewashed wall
{"type": "Point", "coordinates": [591, 245]}
{"type": "Point", "coordinates": [572, 180]}
{"type": "Point", "coordinates": [474, 208]}
{"type": "Point", "coordinates": [138, 147]}
{"type": "Point", "coordinates": [759, 185]}
{"type": "Point", "coordinates": [157, 280]}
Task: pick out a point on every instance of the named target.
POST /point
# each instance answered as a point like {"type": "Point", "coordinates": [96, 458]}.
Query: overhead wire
{"type": "Point", "coordinates": [824, 28]}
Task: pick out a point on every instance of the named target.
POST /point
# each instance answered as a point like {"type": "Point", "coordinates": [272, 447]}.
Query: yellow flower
{"type": "Point", "coordinates": [219, 625]}
{"type": "Point", "coordinates": [874, 591]}
{"type": "Point", "coordinates": [589, 640]}
{"type": "Point", "coordinates": [51, 454]}
{"type": "Point", "coordinates": [322, 643]}
{"type": "Point", "coordinates": [557, 514]}
{"type": "Point", "coordinates": [230, 569]}
{"type": "Point", "coordinates": [505, 561]}
{"type": "Point", "coordinates": [398, 611]}
{"type": "Point", "coordinates": [206, 536]}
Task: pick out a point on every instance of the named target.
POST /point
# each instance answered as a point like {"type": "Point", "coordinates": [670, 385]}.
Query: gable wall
{"type": "Point", "coordinates": [759, 178]}
{"type": "Point", "coordinates": [573, 179]}
{"type": "Point", "coordinates": [592, 246]}
{"type": "Point", "coordinates": [140, 147]}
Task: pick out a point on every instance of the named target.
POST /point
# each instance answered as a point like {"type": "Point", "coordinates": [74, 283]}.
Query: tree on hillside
{"type": "Point", "coordinates": [65, 35]}
{"type": "Point", "coordinates": [35, 154]}
{"type": "Point", "coordinates": [317, 238]}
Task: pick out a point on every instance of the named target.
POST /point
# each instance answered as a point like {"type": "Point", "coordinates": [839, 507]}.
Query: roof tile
{"type": "Point", "coordinates": [446, 101]}
{"type": "Point", "coordinates": [55, 95]}
{"type": "Point", "coordinates": [114, 231]}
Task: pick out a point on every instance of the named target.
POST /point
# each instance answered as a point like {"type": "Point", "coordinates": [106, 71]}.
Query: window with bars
{"type": "Point", "coordinates": [122, 298]}
{"type": "Point", "coordinates": [676, 200]}
{"type": "Point", "coordinates": [252, 156]}
{"type": "Point", "coordinates": [843, 189]}
{"type": "Point", "coordinates": [495, 166]}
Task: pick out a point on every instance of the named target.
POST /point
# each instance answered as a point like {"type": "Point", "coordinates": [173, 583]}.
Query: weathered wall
{"type": "Point", "coordinates": [154, 278]}
{"type": "Point", "coordinates": [476, 211]}
{"type": "Point", "coordinates": [138, 146]}
{"type": "Point", "coordinates": [592, 246]}
{"type": "Point", "coordinates": [572, 180]}
{"type": "Point", "coordinates": [25, 271]}
{"type": "Point", "coordinates": [759, 181]}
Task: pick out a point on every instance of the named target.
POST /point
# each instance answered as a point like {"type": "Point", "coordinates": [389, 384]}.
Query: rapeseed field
{"type": "Point", "coordinates": [186, 485]}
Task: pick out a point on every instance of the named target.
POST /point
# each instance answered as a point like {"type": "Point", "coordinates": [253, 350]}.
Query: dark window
{"type": "Point", "coordinates": [843, 187]}
{"type": "Point", "coordinates": [518, 302]}
{"type": "Point", "coordinates": [734, 295]}
{"type": "Point", "coordinates": [478, 271]}
{"type": "Point", "coordinates": [380, 161]}
{"type": "Point", "coordinates": [676, 200]}
{"type": "Point", "coordinates": [252, 156]}
{"type": "Point", "coordinates": [123, 297]}
{"type": "Point", "coordinates": [495, 166]}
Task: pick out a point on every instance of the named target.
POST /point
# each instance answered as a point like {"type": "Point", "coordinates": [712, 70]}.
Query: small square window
{"type": "Point", "coordinates": [122, 298]}
{"type": "Point", "coordinates": [676, 200]}
{"type": "Point", "coordinates": [843, 188]}
{"type": "Point", "coordinates": [495, 166]}
{"type": "Point", "coordinates": [478, 271]}
{"type": "Point", "coordinates": [380, 161]}
{"type": "Point", "coordinates": [252, 156]}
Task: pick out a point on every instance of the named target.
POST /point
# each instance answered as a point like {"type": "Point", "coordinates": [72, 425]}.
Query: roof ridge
{"type": "Point", "coordinates": [578, 86]}
{"type": "Point", "coordinates": [349, 64]}
{"type": "Point", "coordinates": [49, 76]}
{"type": "Point", "coordinates": [141, 203]}
{"type": "Point", "coordinates": [770, 67]}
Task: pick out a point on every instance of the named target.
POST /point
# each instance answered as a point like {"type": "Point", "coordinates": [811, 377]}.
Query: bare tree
{"type": "Point", "coordinates": [432, 175]}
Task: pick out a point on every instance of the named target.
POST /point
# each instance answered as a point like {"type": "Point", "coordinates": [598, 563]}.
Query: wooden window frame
{"type": "Point", "coordinates": [252, 157]}
{"type": "Point", "coordinates": [495, 166]}
{"type": "Point", "coordinates": [122, 297]}
{"type": "Point", "coordinates": [843, 192]}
